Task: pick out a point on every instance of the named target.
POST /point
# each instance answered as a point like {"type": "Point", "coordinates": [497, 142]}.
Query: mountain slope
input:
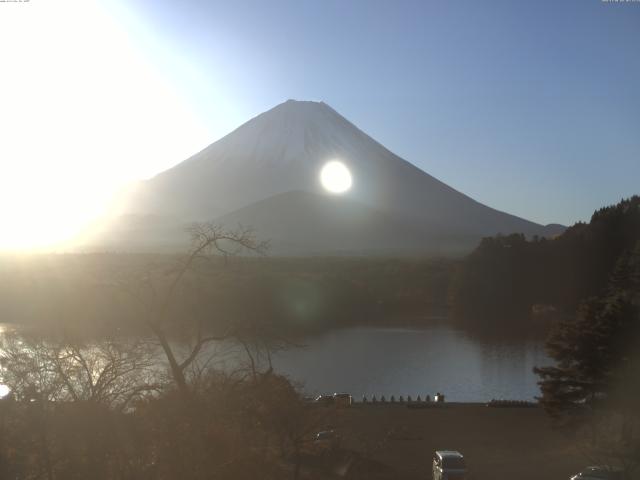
{"type": "Point", "coordinates": [283, 150]}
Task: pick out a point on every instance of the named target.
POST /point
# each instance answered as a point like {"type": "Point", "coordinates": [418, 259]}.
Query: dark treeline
{"type": "Point", "coordinates": [593, 389]}
{"type": "Point", "coordinates": [500, 283]}
{"type": "Point", "coordinates": [586, 283]}
{"type": "Point", "coordinates": [508, 277]}
{"type": "Point", "coordinates": [84, 291]}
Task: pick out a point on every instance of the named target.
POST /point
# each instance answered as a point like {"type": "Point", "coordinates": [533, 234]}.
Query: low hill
{"type": "Point", "coordinates": [303, 223]}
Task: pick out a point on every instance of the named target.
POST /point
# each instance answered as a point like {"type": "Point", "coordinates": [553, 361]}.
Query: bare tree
{"type": "Point", "coordinates": [280, 410]}
{"type": "Point", "coordinates": [59, 387]}
{"type": "Point", "coordinates": [157, 296]}
{"type": "Point", "coordinates": [111, 372]}
{"type": "Point", "coordinates": [260, 340]}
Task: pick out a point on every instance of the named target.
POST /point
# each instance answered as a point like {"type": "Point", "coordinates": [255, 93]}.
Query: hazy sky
{"type": "Point", "coordinates": [532, 107]}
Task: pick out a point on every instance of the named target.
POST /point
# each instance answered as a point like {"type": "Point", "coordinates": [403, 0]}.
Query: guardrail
{"type": "Point", "coordinates": [439, 398]}
{"type": "Point", "coordinates": [511, 404]}
{"type": "Point", "coordinates": [419, 402]}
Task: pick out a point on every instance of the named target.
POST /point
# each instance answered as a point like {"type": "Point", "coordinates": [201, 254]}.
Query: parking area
{"type": "Point", "coordinates": [497, 443]}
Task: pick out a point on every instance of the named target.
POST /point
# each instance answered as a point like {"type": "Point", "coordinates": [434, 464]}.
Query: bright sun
{"type": "Point", "coordinates": [4, 391]}
{"type": "Point", "coordinates": [335, 177]}
{"type": "Point", "coordinates": [80, 120]}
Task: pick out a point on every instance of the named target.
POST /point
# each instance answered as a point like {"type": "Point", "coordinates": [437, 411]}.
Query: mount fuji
{"type": "Point", "coordinates": [265, 174]}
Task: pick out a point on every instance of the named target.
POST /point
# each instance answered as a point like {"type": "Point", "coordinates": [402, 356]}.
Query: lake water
{"type": "Point", "coordinates": [386, 361]}
{"type": "Point", "coordinates": [411, 361]}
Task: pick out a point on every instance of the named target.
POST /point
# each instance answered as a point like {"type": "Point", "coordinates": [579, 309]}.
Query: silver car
{"type": "Point", "coordinates": [449, 465]}
{"type": "Point", "coordinates": [598, 473]}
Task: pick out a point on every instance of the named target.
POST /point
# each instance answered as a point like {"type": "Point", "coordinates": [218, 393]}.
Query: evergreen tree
{"type": "Point", "coordinates": [506, 275]}
{"type": "Point", "coordinates": [597, 351]}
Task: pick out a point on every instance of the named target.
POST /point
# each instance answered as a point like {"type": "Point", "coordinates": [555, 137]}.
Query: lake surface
{"type": "Point", "coordinates": [387, 361]}
{"type": "Point", "coordinates": [407, 361]}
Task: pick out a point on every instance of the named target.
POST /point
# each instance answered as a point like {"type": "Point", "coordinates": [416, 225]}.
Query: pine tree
{"type": "Point", "coordinates": [597, 351]}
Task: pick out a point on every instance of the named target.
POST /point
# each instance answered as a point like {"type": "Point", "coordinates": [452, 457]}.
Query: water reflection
{"type": "Point", "coordinates": [368, 361]}
{"type": "Point", "coordinates": [4, 390]}
{"type": "Point", "coordinates": [400, 361]}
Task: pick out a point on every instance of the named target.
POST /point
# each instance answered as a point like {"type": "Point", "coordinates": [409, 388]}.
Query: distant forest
{"type": "Point", "coordinates": [500, 283]}
{"type": "Point", "coordinates": [507, 278]}
{"type": "Point", "coordinates": [86, 292]}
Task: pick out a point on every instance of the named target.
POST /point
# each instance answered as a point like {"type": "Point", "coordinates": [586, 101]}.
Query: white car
{"type": "Point", "coordinates": [449, 465]}
{"type": "Point", "coordinates": [598, 473]}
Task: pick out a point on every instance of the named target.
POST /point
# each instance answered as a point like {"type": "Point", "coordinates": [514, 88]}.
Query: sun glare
{"type": "Point", "coordinates": [335, 177]}
{"type": "Point", "coordinates": [4, 390]}
{"type": "Point", "coordinates": [83, 114]}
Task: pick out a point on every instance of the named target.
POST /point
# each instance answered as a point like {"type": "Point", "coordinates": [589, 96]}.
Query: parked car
{"type": "Point", "coordinates": [449, 465]}
{"type": "Point", "coordinates": [326, 441]}
{"type": "Point", "coordinates": [342, 399]}
{"type": "Point", "coordinates": [598, 473]}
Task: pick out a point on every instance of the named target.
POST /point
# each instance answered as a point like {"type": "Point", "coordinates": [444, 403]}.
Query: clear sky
{"type": "Point", "coordinates": [532, 107]}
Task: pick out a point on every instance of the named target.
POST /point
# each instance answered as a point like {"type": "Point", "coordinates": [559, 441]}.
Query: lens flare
{"type": "Point", "coordinates": [335, 177]}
